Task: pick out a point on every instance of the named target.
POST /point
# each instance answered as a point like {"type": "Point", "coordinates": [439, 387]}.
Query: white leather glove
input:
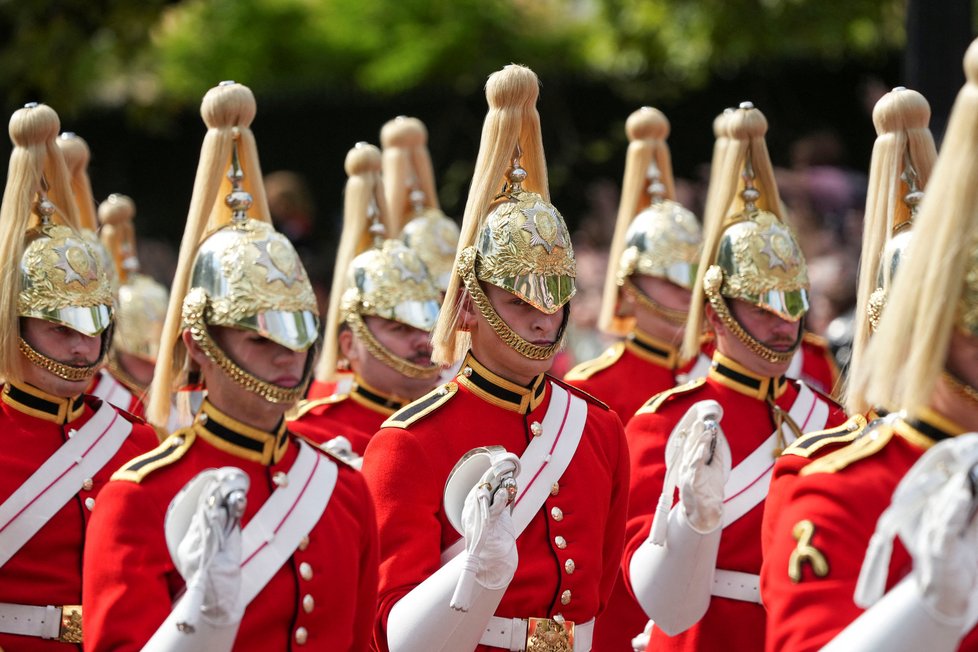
{"type": "Point", "coordinates": [641, 641]}
{"type": "Point", "coordinates": [490, 537]}
{"type": "Point", "coordinates": [341, 447]}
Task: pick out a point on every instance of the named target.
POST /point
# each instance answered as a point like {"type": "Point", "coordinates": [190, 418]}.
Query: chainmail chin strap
{"type": "Point", "coordinates": [59, 369]}
{"type": "Point", "coordinates": [960, 387]}
{"type": "Point", "coordinates": [748, 340]}
{"type": "Point", "coordinates": [404, 367]}
{"type": "Point", "coordinates": [671, 315]}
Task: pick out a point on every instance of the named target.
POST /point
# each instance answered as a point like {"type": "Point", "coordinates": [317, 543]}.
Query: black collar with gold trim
{"type": "Point", "coordinates": [499, 391]}
{"type": "Point", "coordinates": [652, 349]}
{"type": "Point", "coordinates": [730, 374]}
{"type": "Point", "coordinates": [927, 428]}
{"type": "Point", "coordinates": [236, 438]}
{"type": "Point", "coordinates": [32, 401]}
{"type": "Point", "coordinates": [374, 399]}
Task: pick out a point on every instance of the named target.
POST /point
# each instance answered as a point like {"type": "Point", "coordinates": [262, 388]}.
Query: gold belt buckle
{"type": "Point", "coordinates": [71, 624]}
{"type": "Point", "coordinates": [549, 635]}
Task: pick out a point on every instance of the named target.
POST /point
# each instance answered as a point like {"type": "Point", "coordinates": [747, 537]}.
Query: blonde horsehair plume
{"type": "Point", "coordinates": [118, 236]}
{"type": "Point", "coordinates": [647, 130]}
{"type": "Point", "coordinates": [721, 140]}
{"type": "Point", "coordinates": [901, 117]}
{"type": "Point", "coordinates": [407, 165]}
{"type": "Point", "coordinates": [512, 122]}
{"type": "Point", "coordinates": [909, 349]}
{"type": "Point", "coordinates": [364, 194]}
{"type": "Point", "coordinates": [227, 110]}
{"type": "Point", "coordinates": [746, 128]}
{"type": "Point", "coordinates": [77, 157]}
{"type": "Point", "coordinates": [34, 160]}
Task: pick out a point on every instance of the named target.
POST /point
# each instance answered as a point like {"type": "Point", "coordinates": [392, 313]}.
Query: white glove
{"type": "Point", "coordinates": [490, 537]}
{"type": "Point", "coordinates": [641, 641]}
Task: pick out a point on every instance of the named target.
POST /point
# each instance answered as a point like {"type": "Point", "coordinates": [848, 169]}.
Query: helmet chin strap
{"type": "Point", "coordinates": [73, 373]}
{"type": "Point", "coordinates": [401, 365]}
{"type": "Point", "coordinates": [745, 338]}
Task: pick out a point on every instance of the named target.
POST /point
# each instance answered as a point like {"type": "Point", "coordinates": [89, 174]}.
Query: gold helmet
{"type": "Point", "coordinates": [903, 156]}
{"type": "Point", "coordinates": [749, 252]}
{"type": "Point", "coordinates": [50, 271]}
{"type": "Point", "coordinates": [234, 269]}
{"type": "Point", "coordinates": [514, 239]}
{"type": "Point", "coordinates": [374, 276]}
{"type": "Point", "coordinates": [935, 293]}
{"type": "Point", "coordinates": [412, 201]}
{"type": "Point", "coordinates": [654, 235]}
{"type": "Point", "coordinates": [140, 300]}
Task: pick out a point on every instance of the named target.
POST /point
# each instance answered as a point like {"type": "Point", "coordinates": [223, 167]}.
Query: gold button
{"type": "Point", "coordinates": [536, 429]}
{"type": "Point", "coordinates": [87, 484]}
{"type": "Point", "coordinates": [555, 489]}
{"type": "Point", "coordinates": [557, 514]}
{"type": "Point", "coordinates": [90, 503]}
{"type": "Point", "coordinates": [301, 636]}
{"type": "Point", "coordinates": [560, 541]}
{"type": "Point", "coordinates": [308, 603]}
{"type": "Point", "coordinates": [303, 543]}
{"type": "Point", "coordinates": [565, 597]}
{"type": "Point", "coordinates": [569, 566]}
{"type": "Point", "coordinates": [305, 570]}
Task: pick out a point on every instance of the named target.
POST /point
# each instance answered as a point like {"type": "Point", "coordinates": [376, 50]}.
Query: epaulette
{"type": "Point", "coordinates": [590, 398]}
{"type": "Point", "coordinates": [586, 369]}
{"type": "Point", "coordinates": [421, 407]}
{"type": "Point", "coordinates": [812, 442]}
{"type": "Point", "coordinates": [653, 404]}
{"type": "Point", "coordinates": [306, 405]}
{"type": "Point", "coordinates": [860, 448]}
{"type": "Point", "coordinates": [325, 451]}
{"type": "Point", "coordinates": [168, 452]}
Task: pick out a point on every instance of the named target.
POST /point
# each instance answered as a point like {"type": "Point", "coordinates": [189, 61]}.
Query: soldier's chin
{"type": "Point", "coordinates": [781, 347]}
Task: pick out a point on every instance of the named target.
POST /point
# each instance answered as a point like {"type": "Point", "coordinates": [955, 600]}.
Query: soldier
{"type": "Point", "coordinates": [693, 566]}
{"type": "Point", "coordinates": [919, 366]}
{"type": "Point", "coordinates": [505, 311]}
{"type": "Point", "coordinates": [382, 308]}
{"type": "Point", "coordinates": [141, 307]}
{"type": "Point", "coordinates": [56, 310]}
{"type": "Point", "coordinates": [299, 567]}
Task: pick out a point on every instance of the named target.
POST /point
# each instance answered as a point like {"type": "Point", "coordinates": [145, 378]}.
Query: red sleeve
{"type": "Point", "coordinates": [617, 512]}
{"type": "Point", "coordinates": [127, 570]}
{"type": "Point", "coordinates": [367, 593]}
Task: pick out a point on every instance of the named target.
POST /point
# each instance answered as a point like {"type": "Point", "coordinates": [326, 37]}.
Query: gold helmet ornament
{"type": "Point", "coordinates": [654, 235]}
{"type": "Point", "coordinates": [515, 238]}
{"type": "Point", "coordinates": [903, 157]}
{"type": "Point", "coordinates": [50, 271]}
{"type": "Point", "coordinates": [412, 201]}
{"type": "Point", "coordinates": [234, 269]}
{"type": "Point", "coordinates": [141, 301]}
{"type": "Point", "coordinates": [749, 252]}
{"type": "Point", "coordinates": [374, 276]}
{"type": "Point", "coordinates": [935, 294]}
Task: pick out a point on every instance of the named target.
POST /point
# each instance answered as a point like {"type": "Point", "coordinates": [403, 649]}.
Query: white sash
{"type": "Point", "coordinates": [544, 460]}
{"type": "Point", "coordinates": [59, 478]}
{"type": "Point", "coordinates": [796, 364]}
{"type": "Point", "coordinates": [748, 482]}
{"type": "Point", "coordinates": [112, 391]}
{"type": "Point", "coordinates": [289, 514]}
{"type": "Point", "coordinates": [699, 370]}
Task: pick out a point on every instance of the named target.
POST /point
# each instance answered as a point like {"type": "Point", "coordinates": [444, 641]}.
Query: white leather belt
{"type": "Point", "coordinates": [42, 622]}
{"type": "Point", "coordinates": [737, 586]}
{"type": "Point", "coordinates": [510, 634]}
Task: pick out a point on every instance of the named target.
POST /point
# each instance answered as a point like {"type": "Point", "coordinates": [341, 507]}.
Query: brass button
{"type": "Point", "coordinates": [301, 636]}
{"type": "Point", "coordinates": [90, 503]}
{"type": "Point", "coordinates": [305, 570]}
{"type": "Point", "coordinates": [308, 603]}
{"type": "Point", "coordinates": [467, 372]}
{"type": "Point", "coordinates": [303, 543]}
{"type": "Point", "coordinates": [570, 566]}
{"type": "Point", "coordinates": [536, 429]}
{"type": "Point", "coordinates": [560, 541]}
{"type": "Point", "coordinates": [557, 514]}
{"type": "Point", "coordinates": [565, 597]}
{"type": "Point", "coordinates": [555, 489]}
{"type": "Point", "coordinates": [87, 484]}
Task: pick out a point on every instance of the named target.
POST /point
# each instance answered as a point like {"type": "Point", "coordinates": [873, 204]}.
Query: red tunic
{"type": "Point", "coordinates": [48, 569]}
{"type": "Point", "coordinates": [841, 495]}
{"type": "Point", "coordinates": [356, 416]}
{"type": "Point", "coordinates": [408, 461]}
{"type": "Point", "coordinates": [747, 423]}
{"type": "Point", "coordinates": [128, 593]}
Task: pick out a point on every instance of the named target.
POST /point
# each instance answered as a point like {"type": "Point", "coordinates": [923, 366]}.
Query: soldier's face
{"type": "Point", "coordinates": [765, 327]}
{"type": "Point", "coordinates": [405, 342]}
{"type": "Point", "coordinates": [665, 293]}
{"type": "Point", "coordinates": [63, 344]}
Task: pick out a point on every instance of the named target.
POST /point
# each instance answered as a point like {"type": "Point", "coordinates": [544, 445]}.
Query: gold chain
{"type": "Point", "coordinates": [59, 369]}
{"type": "Point", "coordinates": [671, 315]}
{"type": "Point", "coordinates": [379, 351]}
{"type": "Point", "coordinates": [748, 340]}
{"type": "Point", "coordinates": [509, 337]}
{"type": "Point", "coordinates": [960, 387]}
